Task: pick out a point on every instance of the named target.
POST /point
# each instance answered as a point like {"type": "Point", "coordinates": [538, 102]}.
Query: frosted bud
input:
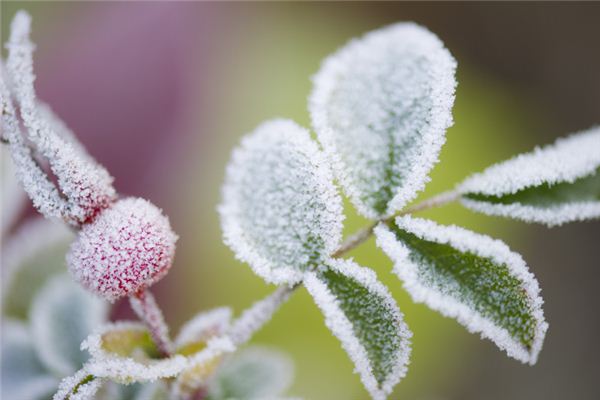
{"type": "Point", "coordinates": [128, 247]}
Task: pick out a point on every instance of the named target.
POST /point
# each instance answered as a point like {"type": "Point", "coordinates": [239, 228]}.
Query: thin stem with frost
{"type": "Point", "coordinates": [144, 305]}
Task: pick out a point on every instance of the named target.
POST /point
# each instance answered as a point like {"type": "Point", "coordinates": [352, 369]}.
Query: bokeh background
{"type": "Point", "coordinates": [161, 92]}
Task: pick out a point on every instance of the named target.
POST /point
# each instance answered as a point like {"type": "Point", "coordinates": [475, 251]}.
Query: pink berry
{"type": "Point", "coordinates": [128, 247]}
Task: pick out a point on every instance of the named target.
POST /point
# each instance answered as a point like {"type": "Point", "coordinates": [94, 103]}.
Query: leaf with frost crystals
{"type": "Point", "coordinates": [80, 386]}
{"type": "Point", "coordinates": [62, 315]}
{"type": "Point", "coordinates": [195, 333]}
{"type": "Point", "coordinates": [23, 375]}
{"type": "Point", "coordinates": [30, 256]}
{"type": "Point", "coordinates": [381, 106]}
{"type": "Point", "coordinates": [555, 184]}
{"type": "Point", "coordinates": [361, 313]}
{"type": "Point", "coordinates": [470, 277]}
{"type": "Point", "coordinates": [253, 373]}
{"type": "Point", "coordinates": [281, 212]}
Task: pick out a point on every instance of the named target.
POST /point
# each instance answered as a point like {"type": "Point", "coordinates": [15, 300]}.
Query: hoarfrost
{"type": "Point", "coordinates": [86, 186]}
{"type": "Point", "coordinates": [444, 297]}
{"type": "Point", "coordinates": [80, 386]}
{"type": "Point", "coordinates": [374, 333]}
{"type": "Point", "coordinates": [281, 212]}
{"type": "Point", "coordinates": [566, 161]}
{"type": "Point", "coordinates": [380, 107]}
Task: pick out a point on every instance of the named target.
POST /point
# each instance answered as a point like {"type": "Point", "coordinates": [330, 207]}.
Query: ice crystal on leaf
{"type": "Point", "coordinates": [85, 187]}
{"type": "Point", "coordinates": [471, 277]}
{"type": "Point", "coordinates": [361, 313]}
{"type": "Point", "coordinates": [81, 386]}
{"type": "Point", "coordinates": [62, 315]}
{"type": "Point", "coordinates": [280, 212]}
{"type": "Point", "coordinates": [555, 184]}
{"type": "Point", "coordinates": [381, 106]}
{"type": "Point", "coordinates": [128, 247]}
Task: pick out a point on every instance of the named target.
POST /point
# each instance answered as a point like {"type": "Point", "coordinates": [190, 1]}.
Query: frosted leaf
{"type": "Point", "coordinates": [12, 196]}
{"type": "Point", "coordinates": [551, 185]}
{"type": "Point", "coordinates": [29, 257]}
{"type": "Point", "coordinates": [62, 316]}
{"type": "Point", "coordinates": [473, 278]}
{"type": "Point", "coordinates": [122, 352]}
{"type": "Point", "coordinates": [280, 212]}
{"type": "Point", "coordinates": [201, 367]}
{"type": "Point", "coordinates": [202, 327]}
{"type": "Point", "coordinates": [42, 192]}
{"type": "Point", "coordinates": [80, 386]}
{"type": "Point", "coordinates": [127, 248]}
{"type": "Point", "coordinates": [253, 373]}
{"type": "Point", "coordinates": [86, 186]}
{"type": "Point", "coordinates": [23, 375]}
{"type": "Point", "coordinates": [361, 313]}
{"type": "Point", "coordinates": [381, 106]}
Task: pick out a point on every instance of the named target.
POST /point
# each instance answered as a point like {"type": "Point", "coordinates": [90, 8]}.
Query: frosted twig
{"type": "Point", "coordinates": [366, 232]}
{"type": "Point", "coordinates": [258, 314]}
{"type": "Point", "coordinates": [146, 308]}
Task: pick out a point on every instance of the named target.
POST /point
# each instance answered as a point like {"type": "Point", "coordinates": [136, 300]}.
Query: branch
{"type": "Point", "coordinates": [144, 305]}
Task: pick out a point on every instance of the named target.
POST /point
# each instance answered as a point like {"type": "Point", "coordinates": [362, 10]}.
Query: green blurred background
{"type": "Point", "coordinates": [161, 93]}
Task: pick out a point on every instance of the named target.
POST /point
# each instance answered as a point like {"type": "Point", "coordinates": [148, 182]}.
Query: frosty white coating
{"type": "Point", "coordinates": [62, 315]}
{"type": "Point", "coordinates": [567, 160]}
{"type": "Point", "coordinates": [342, 327]}
{"type": "Point", "coordinates": [128, 247]}
{"type": "Point", "coordinates": [381, 106]}
{"type": "Point", "coordinates": [85, 185]}
{"type": "Point", "coordinates": [85, 391]}
{"type": "Point", "coordinates": [481, 245]}
{"type": "Point", "coordinates": [204, 325]}
{"type": "Point", "coordinates": [280, 212]}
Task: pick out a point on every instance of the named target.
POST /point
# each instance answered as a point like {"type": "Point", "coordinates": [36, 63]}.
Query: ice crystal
{"type": "Point", "coordinates": [80, 386]}
{"type": "Point", "coordinates": [380, 107]}
{"type": "Point", "coordinates": [85, 187]}
{"type": "Point", "coordinates": [62, 316]}
{"type": "Point", "coordinates": [361, 313]}
{"type": "Point", "coordinates": [128, 247]}
{"type": "Point", "coordinates": [555, 184]}
{"type": "Point", "coordinates": [471, 277]}
{"type": "Point", "coordinates": [280, 212]}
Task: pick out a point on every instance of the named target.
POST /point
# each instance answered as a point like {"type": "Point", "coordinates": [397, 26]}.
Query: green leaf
{"type": "Point", "coordinates": [30, 257]}
{"type": "Point", "coordinates": [62, 315]}
{"type": "Point", "coordinates": [553, 185]}
{"type": "Point", "coordinates": [362, 314]}
{"type": "Point", "coordinates": [23, 375]}
{"type": "Point", "coordinates": [470, 277]}
{"type": "Point", "coordinates": [380, 107]}
{"type": "Point", "coordinates": [253, 373]}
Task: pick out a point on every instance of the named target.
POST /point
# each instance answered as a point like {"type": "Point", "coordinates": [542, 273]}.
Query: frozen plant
{"type": "Point", "coordinates": [380, 108]}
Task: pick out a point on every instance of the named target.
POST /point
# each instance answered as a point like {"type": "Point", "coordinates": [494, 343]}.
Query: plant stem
{"type": "Point", "coordinates": [144, 305]}
{"type": "Point", "coordinates": [261, 312]}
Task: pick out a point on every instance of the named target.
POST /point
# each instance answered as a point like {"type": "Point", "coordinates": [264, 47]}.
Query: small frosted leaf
{"type": "Point", "coordinates": [280, 212]}
{"type": "Point", "coordinates": [30, 256]}
{"type": "Point", "coordinates": [555, 184]}
{"type": "Point", "coordinates": [62, 316]}
{"type": "Point", "coordinates": [473, 278]}
{"type": "Point", "coordinates": [253, 373]}
{"type": "Point", "coordinates": [123, 339]}
{"type": "Point", "coordinates": [23, 375]}
{"type": "Point", "coordinates": [360, 311]}
{"type": "Point", "coordinates": [85, 185]}
{"type": "Point", "coordinates": [80, 386]}
{"type": "Point", "coordinates": [201, 367]}
{"type": "Point", "coordinates": [381, 106]}
{"type": "Point", "coordinates": [195, 333]}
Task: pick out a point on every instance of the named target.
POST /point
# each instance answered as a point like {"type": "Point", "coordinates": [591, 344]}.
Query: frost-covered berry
{"type": "Point", "coordinates": [127, 248]}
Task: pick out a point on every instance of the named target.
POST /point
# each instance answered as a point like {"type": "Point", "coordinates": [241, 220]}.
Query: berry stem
{"type": "Point", "coordinates": [146, 308]}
